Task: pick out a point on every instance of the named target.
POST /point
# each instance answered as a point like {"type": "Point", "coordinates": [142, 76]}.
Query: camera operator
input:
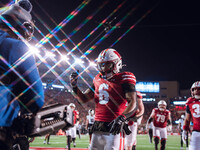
{"type": "Point", "coordinates": [20, 84]}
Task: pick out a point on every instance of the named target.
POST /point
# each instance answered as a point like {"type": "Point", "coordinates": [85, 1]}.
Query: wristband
{"type": "Point", "coordinates": [186, 128]}
{"type": "Point", "coordinates": [75, 89]}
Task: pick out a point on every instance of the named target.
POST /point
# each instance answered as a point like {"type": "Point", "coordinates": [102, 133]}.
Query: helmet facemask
{"type": "Point", "coordinates": [109, 63]}
{"type": "Point", "coordinates": [162, 105]}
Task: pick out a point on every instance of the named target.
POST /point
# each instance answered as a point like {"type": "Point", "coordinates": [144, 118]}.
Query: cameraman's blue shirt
{"type": "Point", "coordinates": [20, 83]}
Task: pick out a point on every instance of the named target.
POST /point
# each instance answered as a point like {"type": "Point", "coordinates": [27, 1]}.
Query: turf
{"type": "Point", "coordinates": [173, 142]}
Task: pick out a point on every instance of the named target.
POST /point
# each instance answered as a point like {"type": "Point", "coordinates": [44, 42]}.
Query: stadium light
{"type": "Point", "coordinates": [50, 54]}
{"type": "Point", "coordinates": [64, 58]}
{"type": "Point", "coordinates": [93, 64]}
{"type": "Point", "coordinates": [79, 61]}
{"type": "Point", "coordinates": [58, 86]}
{"type": "Point", "coordinates": [34, 50]}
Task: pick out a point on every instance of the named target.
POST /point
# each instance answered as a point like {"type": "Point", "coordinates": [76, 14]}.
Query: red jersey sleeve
{"type": "Point", "coordinates": [128, 77]}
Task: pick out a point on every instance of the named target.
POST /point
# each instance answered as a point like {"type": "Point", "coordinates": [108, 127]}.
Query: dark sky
{"type": "Point", "coordinates": [163, 46]}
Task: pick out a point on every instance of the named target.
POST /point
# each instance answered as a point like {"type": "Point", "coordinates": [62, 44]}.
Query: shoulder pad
{"type": "Point", "coordinates": [127, 77]}
{"type": "Point", "coordinates": [189, 100]}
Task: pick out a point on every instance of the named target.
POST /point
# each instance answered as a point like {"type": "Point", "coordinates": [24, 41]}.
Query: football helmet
{"type": "Point", "coordinates": [162, 105]}
{"type": "Point", "coordinates": [195, 93]}
{"type": "Point", "coordinates": [182, 116]}
{"type": "Point", "coordinates": [91, 112]}
{"type": "Point", "coordinates": [72, 105]}
{"type": "Point", "coordinates": [109, 62]}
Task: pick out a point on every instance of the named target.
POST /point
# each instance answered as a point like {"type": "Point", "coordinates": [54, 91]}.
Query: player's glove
{"type": "Point", "coordinates": [117, 124]}
{"type": "Point", "coordinates": [184, 136]}
{"type": "Point", "coordinates": [126, 128]}
{"type": "Point", "coordinates": [74, 78]}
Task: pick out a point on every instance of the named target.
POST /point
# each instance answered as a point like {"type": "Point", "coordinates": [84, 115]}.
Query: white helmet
{"type": "Point", "coordinates": [182, 116]}
{"type": "Point", "coordinates": [112, 59]}
{"type": "Point", "coordinates": [195, 85]}
{"type": "Point", "coordinates": [72, 105]}
{"type": "Point", "coordinates": [91, 112]}
{"type": "Point", "coordinates": [162, 105]}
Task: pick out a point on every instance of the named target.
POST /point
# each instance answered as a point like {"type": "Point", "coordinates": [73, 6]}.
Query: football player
{"type": "Point", "coordinates": [161, 117]}
{"type": "Point", "coordinates": [193, 113]}
{"type": "Point", "coordinates": [71, 132]}
{"type": "Point", "coordinates": [130, 140]}
{"type": "Point", "coordinates": [110, 90]}
{"type": "Point", "coordinates": [89, 123]}
{"type": "Point", "coordinates": [180, 127]}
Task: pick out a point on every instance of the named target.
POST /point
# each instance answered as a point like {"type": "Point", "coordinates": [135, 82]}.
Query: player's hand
{"type": "Point", "coordinates": [126, 129]}
{"type": "Point", "coordinates": [117, 125]}
{"type": "Point", "coordinates": [184, 136]}
{"type": "Point", "coordinates": [74, 78]}
{"type": "Point", "coordinates": [169, 128]}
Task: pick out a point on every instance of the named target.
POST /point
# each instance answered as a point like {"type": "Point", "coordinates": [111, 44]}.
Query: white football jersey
{"type": "Point", "coordinates": [90, 119]}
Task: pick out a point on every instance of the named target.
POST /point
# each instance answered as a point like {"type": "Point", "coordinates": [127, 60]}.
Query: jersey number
{"type": "Point", "coordinates": [196, 108]}
{"type": "Point", "coordinates": [160, 118]}
{"type": "Point", "coordinates": [103, 94]}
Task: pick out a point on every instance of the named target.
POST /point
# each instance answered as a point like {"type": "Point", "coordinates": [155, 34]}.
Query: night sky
{"type": "Point", "coordinates": [162, 46]}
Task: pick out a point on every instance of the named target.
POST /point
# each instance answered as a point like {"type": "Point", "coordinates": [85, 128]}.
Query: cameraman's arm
{"type": "Point", "coordinates": [28, 86]}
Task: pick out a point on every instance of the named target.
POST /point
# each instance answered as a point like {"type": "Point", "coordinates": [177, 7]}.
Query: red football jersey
{"type": "Point", "coordinates": [160, 118]}
{"type": "Point", "coordinates": [109, 96]}
{"type": "Point", "coordinates": [194, 109]}
{"type": "Point", "coordinates": [76, 115]}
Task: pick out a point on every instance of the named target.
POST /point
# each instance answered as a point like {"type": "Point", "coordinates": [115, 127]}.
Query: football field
{"type": "Point", "coordinates": [173, 142]}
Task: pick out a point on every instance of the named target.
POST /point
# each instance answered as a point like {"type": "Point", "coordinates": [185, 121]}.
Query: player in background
{"type": "Point", "coordinates": [135, 121]}
{"type": "Point", "coordinates": [71, 132]}
{"type": "Point", "coordinates": [110, 90]}
{"type": "Point", "coordinates": [149, 127]}
{"type": "Point", "coordinates": [161, 117]}
{"type": "Point", "coordinates": [89, 122]}
{"type": "Point", "coordinates": [46, 139]}
{"type": "Point", "coordinates": [193, 113]}
{"type": "Point", "coordinates": [180, 127]}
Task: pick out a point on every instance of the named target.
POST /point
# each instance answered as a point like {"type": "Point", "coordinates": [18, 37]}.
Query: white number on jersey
{"type": "Point", "coordinates": [161, 118]}
{"type": "Point", "coordinates": [196, 108]}
{"type": "Point", "coordinates": [103, 94]}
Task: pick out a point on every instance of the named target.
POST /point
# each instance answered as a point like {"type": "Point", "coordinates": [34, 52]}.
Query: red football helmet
{"type": "Point", "coordinates": [162, 105]}
{"type": "Point", "coordinates": [109, 61]}
{"type": "Point", "coordinates": [195, 90]}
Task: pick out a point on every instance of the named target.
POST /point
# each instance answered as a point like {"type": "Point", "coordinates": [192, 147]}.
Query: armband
{"type": "Point", "coordinates": [169, 122]}
{"type": "Point", "coordinates": [75, 89]}
{"type": "Point", "coordinates": [186, 128]}
{"type": "Point", "coordinates": [150, 120]}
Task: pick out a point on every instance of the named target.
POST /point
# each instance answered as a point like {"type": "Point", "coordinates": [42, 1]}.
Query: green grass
{"type": "Point", "coordinates": [173, 142]}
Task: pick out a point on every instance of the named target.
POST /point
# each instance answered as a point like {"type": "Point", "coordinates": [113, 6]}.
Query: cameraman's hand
{"type": "Point", "coordinates": [74, 78]}
{"type": "Point", "coordinates": [117, 124]}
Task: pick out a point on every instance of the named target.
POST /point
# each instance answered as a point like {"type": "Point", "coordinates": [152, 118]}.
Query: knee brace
{"type": "Point", "coordinates": [163, 142]}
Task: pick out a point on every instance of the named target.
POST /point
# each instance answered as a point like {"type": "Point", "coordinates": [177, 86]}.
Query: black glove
{"type": "Point", "coordinates": [126, 129]}
{"type": "Point", "coordinates": [117, 125]}
{"type": "Point", "coordinates": [74, 78]}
